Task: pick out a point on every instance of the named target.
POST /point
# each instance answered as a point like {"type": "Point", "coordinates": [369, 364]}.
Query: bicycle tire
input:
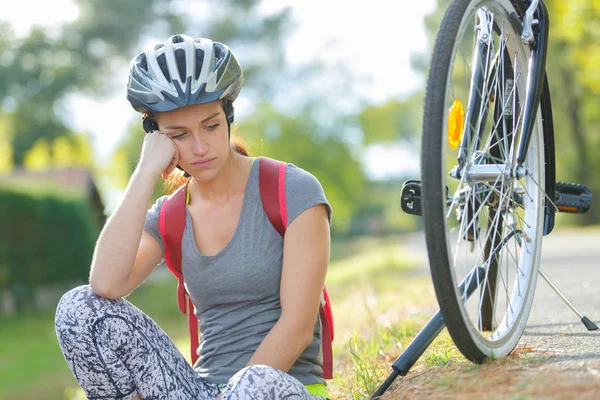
{"type": "Point", "coordinates": [503, 215]}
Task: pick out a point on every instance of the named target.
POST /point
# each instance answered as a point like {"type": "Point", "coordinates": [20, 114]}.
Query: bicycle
{"type": "Point", "coordinates": [488, 193]}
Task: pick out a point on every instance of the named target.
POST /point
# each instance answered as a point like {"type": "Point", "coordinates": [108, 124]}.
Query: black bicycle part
{"type": "Point", "coordinates": [547, 123]}
{"type": "Point", "coordinates": [426, 336]}
{"type": "Point", "coordinates": [547, 118]}
{"type": "Point", "coordinates": [549, 157]}
{"type": "Point", "coordinates": [589, 324]}
{"type": "Point", "coordinates": [537, 68]}
{"type": "Point", "coordinates": [572, 197]}
{"type": "Point", "coordinates": [475, 99]}
{"type": "Point", "coordinates": [410, 199]}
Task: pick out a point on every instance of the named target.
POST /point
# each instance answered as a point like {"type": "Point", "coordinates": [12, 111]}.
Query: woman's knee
{"type": "Point", "coordinates": [77, 303]}
{"type": "Point", "coordinates": [74, 297]}
{"type": "Point", "coordinates": [264, 382]}
{"type": "Point", "coordinates": [262, 375]}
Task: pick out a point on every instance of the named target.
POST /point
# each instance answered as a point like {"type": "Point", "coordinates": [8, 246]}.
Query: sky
{"type": "Point", "coordinates": [344, 29]}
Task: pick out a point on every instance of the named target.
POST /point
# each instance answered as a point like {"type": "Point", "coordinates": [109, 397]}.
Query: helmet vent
{"type": "Point", "coordinates": [219, 54]}
{"type": "Point", "coordinates": [162, 63]}
{"type": "Point", "coordinates": [180, 59]}
{"type": "Point", "coordinates": [177, 39]}
{"type": "Point", "coordinates": [199, 61]}
{"type": "Point", "coordinates": [144, 63]}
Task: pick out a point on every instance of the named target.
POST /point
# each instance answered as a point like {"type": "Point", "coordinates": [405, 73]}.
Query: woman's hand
{"type": "Point", "coordinates": [159, 154]}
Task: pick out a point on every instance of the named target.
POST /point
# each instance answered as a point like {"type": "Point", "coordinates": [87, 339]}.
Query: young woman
{"type": "Point", "coordinates": [256, 293]}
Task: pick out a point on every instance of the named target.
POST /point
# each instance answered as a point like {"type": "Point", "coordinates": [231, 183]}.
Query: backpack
{"type": "Point", "coordinates": [272, 192]}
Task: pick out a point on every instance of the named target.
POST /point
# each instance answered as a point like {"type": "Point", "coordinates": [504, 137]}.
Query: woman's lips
{"type": "Point", "coordinates": [203, 163]}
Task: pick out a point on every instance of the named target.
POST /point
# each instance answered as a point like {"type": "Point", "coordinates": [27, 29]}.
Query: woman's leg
{"type": "Point", "coordinates": [115, 351]}
{"type": "Point", "coordinates": [261, 382]}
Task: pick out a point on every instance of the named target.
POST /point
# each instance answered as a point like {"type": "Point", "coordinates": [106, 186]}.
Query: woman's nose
{"type": "Point", "coordinates": [200, 148]}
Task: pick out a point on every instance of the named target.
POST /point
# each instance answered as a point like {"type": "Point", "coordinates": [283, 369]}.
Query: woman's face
{"type": "Point", "coordinates": [200, 133]}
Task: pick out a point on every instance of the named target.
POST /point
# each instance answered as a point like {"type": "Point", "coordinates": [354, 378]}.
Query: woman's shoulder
{"type": "Point", "coordinates": [298, 176]}
{"type": "Point", "coordinates": [155, 207]}
{"type": "Point", "coordinates": [302, 190]}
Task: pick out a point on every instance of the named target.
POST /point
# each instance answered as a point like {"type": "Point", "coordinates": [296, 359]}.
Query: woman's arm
{"type": "Point", "coordinates": [125, 255]}
{"type": "Point", "coordinates": [117, 247]}
{"type": "Point", "coordinates": [305, 259]}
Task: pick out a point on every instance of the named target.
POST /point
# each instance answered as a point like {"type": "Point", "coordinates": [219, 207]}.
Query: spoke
{"type": "Point", "coordinates": [474, 218]}
{"type": "Point", "coordinates": [489, 144]}
{"type": "Point", "coordinates": [514, 203]}
{"type": "Point", "coordinates": [541, 190]}
{"type": "Point", "coordinates": [494, 223]}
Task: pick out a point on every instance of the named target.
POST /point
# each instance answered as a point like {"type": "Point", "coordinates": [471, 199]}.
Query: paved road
{"type": "Point", "coordinates": [572, 261]}
{"type": "Point", "coordinates": [571, 258]}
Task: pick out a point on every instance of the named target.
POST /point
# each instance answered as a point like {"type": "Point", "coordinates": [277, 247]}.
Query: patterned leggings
{"type": "Point", "coordinates": [115, 351]}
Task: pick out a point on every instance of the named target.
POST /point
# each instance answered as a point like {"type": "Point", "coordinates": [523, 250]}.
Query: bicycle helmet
{"type": "Point", "coordinates": [181, 72]}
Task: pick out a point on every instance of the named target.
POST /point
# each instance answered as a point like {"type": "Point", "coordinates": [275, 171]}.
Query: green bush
{"type": "Point", "coordinates": [46, 238]}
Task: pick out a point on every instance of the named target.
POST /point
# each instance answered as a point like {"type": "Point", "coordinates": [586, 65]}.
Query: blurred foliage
{"type": "Point", "coordinates": [379, 213]}
{"type": "Point", "coordinates": [38, 72]}
{"type": "Point", "coordinates": [62, 152]}
{"type": "Point", "coordinates": [393, 121]}
{"type": "Point", "coordinates": [299, 139]}
{"type": "Point", "coordinates": [6, 151]}
{"type": "Point", "coordinates": [38, 157]}
{"type": "Point", "coordinates": [39, 227]}
{"type": "Point", "coordinates": [572, 68]}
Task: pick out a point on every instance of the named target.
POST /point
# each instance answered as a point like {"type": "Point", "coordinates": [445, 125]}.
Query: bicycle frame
{"type": "Point", "coordinates": [535, 14]}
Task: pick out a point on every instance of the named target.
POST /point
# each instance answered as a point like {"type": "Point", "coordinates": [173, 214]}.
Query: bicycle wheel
{"type": "Point", "coordinates": [480, 208]}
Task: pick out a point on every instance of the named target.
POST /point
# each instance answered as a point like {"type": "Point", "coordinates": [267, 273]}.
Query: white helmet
{"type": "Point", "coordinates": [181, 72]}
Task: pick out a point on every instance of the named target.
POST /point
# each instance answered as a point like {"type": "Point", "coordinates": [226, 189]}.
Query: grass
{"type": "Point", "coordinates": [30, 356]}
{"type": "Point", "coordinates": [380, 301]}
{"type": "Point", "coordinates": [32, 365]}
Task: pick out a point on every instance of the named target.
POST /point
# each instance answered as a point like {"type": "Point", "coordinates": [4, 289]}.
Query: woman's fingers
{"type": "Point", "coordinates": [158, 152]}
{"type": "Point", "coordinates": [172, 165]}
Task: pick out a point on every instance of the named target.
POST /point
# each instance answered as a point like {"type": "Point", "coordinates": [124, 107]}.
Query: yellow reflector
{"type": "Point", "coordinates": [456, 122]}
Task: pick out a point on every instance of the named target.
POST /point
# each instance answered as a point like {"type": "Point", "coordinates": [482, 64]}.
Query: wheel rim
{"type": "Point", "coordinates": [492, 223]}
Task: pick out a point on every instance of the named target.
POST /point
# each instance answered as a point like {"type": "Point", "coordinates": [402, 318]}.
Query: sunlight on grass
{"type": "Point", "coordinates": [379, 297]}
{"type": "Point", "coordinates": [370, 265]}
{"type": "Point", "coordinates": [441, 352]}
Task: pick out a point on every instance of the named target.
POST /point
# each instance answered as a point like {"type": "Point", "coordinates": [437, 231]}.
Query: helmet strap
{"type": "Point", "coordinates": [229, 115]}
{"type": "Point", "coordinates": [149, 124]}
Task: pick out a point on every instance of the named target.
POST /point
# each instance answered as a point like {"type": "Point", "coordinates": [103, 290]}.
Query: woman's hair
{"type": "Point", "coordinates": [176, 178]}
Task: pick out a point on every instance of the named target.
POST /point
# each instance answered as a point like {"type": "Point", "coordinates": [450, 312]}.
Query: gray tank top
{"type": "Point", "coordinates": [236, 292]}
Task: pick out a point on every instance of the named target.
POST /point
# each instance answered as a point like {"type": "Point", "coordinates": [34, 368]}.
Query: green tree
{"type": "Point", "coordinates": [38, 157]}
{"type": "Point", "coordinates": [38, 72]}
{"type": "Point", "coordinates": [393, 121]}
{"type": "Point", "coordinates": [6, 153]}
{"type": "Point", "coordinates": [572, 65]}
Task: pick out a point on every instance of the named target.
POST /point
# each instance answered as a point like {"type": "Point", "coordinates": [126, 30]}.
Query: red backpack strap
{"type": "Point", "coordinates": [327, 335]}
{"type": "Point", "coordinates": [271, 180]}
{"type": "Point", "coordinates": [171, 224]}
{"type": "Point", "coordinates": [272, 192]}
